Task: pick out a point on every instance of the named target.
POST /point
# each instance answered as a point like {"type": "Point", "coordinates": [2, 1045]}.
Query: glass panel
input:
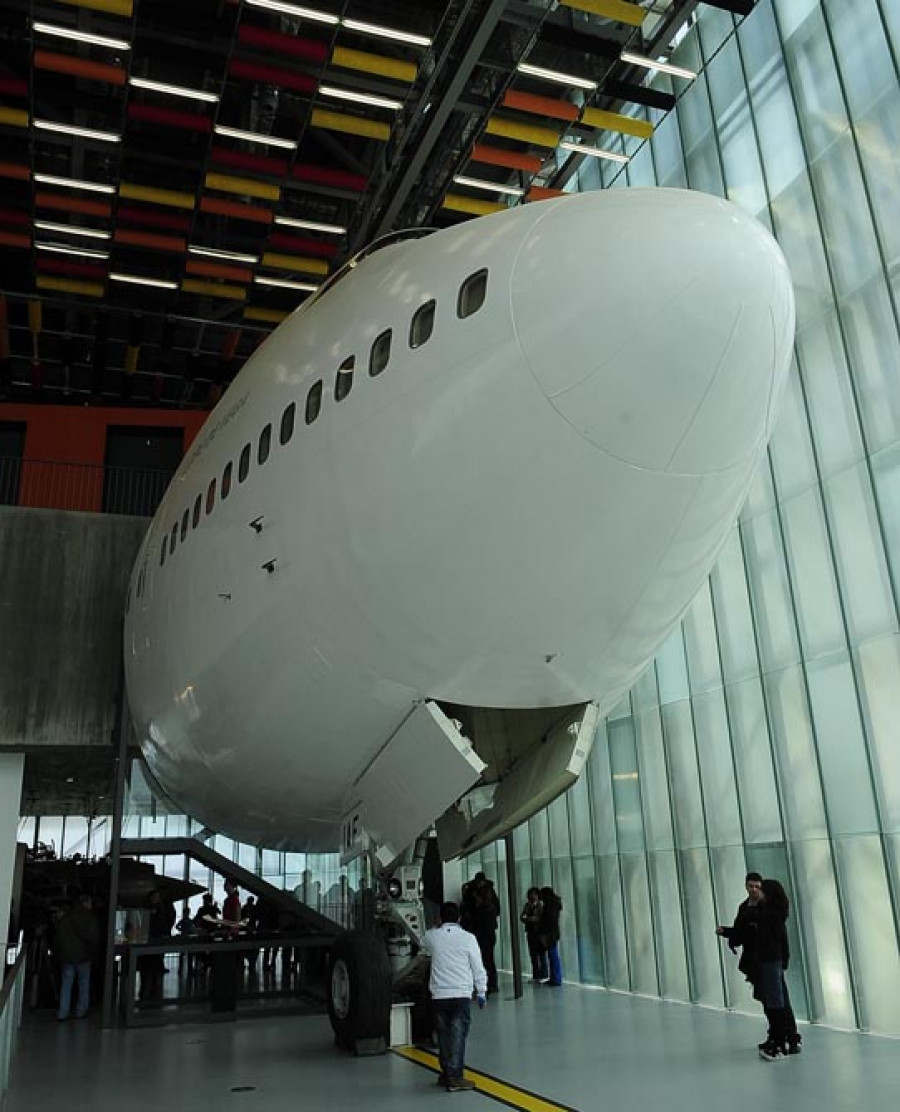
{"type": "Point", "coordinates": [600, 784]}
{"type": "Point", "coordinates": [859, 551]}
{"type": "Point", "coordinates": [667, 153]}
{"type": "Point", "coordinates": [829, 394]}
{"type": "Point", "coordinates": [723, 818]}
{"type": "Point", "coordinates": [700, 917]}
{"type": "Point", "coordinates": [799, 236]}
{"type": "Point", "coordinates": [678, 732]}
{"type": "Point", "coordinates": [579, 812]}
{"type": "Point", "coordinates": [830, 996]}
{"type": "Point", "coordinates": [700, 643]}
{"type": "Point", "coordinates": [815, 586]}
{"type": "Point", "coordinates": [770, 592]}
{"type": "Point", "coordinates": [557, 814]}
{"type": "Point", "coordinates": [875, 358]}
{"type": "Point", "coordinates": [671, 668]}
{"type": "Point", "coordinates": [638, 917]}
{"type": "Point", "coordinates": [886, 477]}
{"type": "Point", "coordinates": [737, 639]}
{"type": "Point", "coordinates": [615, 949]}
{"type": "Point", "coordinates": [862, 53]}
{"type": "Point", "coordinates": [879, 678]}
{"type": "Point", "coordinates": [669, 928]}
{"type": "Point", "coordinates": [729, 870]}
{"type": "Point", "coordinates": [871, 931]}
{"type": "Point", "coordinates": [753, 762]}
{"type": "Point", "coordinates": [626, 786]}
{"type": "Point", "coordinates": [793, 465]}
{"type": "Point", "coordinates": [654, 781]}
{"type": "Point", "coordinates": [587, 912]}
{"type": "Point", "coordinates": [810, 63]}
{"type": "Point", "coordinates": [801, 793]}
{"type": "Point", "coordinates": [849, 798]}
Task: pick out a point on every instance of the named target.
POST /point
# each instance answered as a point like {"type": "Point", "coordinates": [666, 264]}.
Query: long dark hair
{"type": "Point", "coordinates": [776, 897]}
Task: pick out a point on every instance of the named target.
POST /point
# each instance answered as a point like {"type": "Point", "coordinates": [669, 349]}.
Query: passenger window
{"type": "Point", "coordinates": [380, 354]}
{"type": "Point", "coordinates": [210, 496]}
{"type": "Point", "coordinates": [198, 507]}
{"type": "Point", "coordinates": [162, 551]}
{"type": "Point", "coordinates": [313, 402]}
{"type": "Point", "coordinates": [265, 443]}
{"type": "Point", "coordinates": [343, 384]}
{"type": "Point", "coordinates": [244, 464]}
{"type": "Point", "coordinates": [173, 540]}
{"type": "Point", "coordinates": [226, 480]}
{"type": "Point", "coordinates": [472, 294]}
{"type": "Point", "coordinates": [184, 523]}
{"type": "Point", "coordinates": [287, 423]}
{"type": "Point", "coordinates": [422, 325]}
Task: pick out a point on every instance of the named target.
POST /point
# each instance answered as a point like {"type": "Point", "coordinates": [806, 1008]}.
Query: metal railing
{"type": "Point", "coordinates": [12, 994]}
{"type": "Point", "coordinates": [55, 485]}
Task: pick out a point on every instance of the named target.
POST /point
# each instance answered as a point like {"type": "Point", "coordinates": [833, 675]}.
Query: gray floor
{"type": "Point", "coordinates": [586, 1049]}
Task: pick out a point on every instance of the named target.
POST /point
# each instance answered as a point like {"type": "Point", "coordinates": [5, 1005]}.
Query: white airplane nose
{"type": "Point", "coordinates": [668, 351]}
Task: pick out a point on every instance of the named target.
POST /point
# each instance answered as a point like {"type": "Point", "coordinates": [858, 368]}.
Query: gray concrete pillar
{"type": "Point", "coordinates": [11, 766]}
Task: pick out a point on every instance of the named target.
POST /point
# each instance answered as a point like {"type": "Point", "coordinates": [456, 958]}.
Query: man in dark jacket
{"type": "Point", "coordinates": [74, 942]}
{"type": "Point", "coordinates": [480, 912]}
{"type": "Point", "coordinates": [737, 935]}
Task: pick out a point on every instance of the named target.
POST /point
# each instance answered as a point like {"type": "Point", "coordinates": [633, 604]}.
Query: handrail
{"type": "Point", "coordinates": [75, 485]}
{"type": "Point", "coordinates": [7, 987]}
{"type": "Point", "coordinates": [11, 996]}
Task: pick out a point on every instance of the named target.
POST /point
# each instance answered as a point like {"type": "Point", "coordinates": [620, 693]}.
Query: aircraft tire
{"type": "Point", "coordinates": [359, 992]}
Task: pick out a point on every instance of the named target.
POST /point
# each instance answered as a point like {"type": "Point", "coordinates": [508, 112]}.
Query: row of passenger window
{"type": "Point", "coordinates": [471, 297]}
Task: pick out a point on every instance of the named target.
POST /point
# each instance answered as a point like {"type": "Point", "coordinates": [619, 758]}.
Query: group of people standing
{"type": "Point", "coordinates": [541, 918]}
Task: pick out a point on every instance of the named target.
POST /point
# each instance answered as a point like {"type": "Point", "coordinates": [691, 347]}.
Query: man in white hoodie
{"type": "Point", "coordinates": [456, 972]}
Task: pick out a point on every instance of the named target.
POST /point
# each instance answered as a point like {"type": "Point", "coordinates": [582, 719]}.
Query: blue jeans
{"type": "Point", "coordinates": [555, 964]}
{"type": "Point", "coordinates": [451, 1022]}
{"type": "Point", "coordinates": [71, 970]}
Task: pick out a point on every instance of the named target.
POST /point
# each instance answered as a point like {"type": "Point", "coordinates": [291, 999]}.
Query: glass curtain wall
{"type": "Point", "coordinates": [764, 734]}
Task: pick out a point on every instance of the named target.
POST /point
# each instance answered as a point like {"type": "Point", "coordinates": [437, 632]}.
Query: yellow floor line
{"type": "Point", "coordinates": [511, 1095]}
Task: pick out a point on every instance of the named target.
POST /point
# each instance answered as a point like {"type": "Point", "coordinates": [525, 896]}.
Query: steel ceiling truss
{"type": "Point", "coordinates": [149, 238]}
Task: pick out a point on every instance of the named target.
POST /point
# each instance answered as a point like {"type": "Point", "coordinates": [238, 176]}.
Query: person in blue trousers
{"type": "Point", "coordinates": [74, 943]}
{"type": "Point", "coordinates": [548, 933]}
{"type": "Point", "coordinates": [456, 972]}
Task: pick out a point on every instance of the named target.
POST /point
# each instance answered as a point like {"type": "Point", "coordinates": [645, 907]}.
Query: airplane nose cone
{"type": "Point", "coordinates": [671, 324]}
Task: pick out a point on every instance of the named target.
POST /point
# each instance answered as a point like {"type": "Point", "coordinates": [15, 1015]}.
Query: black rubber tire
{"type": "Point", "coordinates": [367, 1013]}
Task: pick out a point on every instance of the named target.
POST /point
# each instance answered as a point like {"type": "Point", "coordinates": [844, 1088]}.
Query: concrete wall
{"type": "Point", "coordinates": [63, 578]}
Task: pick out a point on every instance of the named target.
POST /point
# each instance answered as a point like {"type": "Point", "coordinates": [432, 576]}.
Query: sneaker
{"type": "Point", "coordinates": [794, 1047]}
{"type": "Point", "coordinates": [771, 1053]}
{"type": "Point", "coordinates": [460, 1085]}
{"type": "Point", "coordinates": [442, 1081]}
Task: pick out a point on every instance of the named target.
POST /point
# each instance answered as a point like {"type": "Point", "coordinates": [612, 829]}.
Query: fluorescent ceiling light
{"type": "Point", "coordinates": [231, 256]}
{"type": "Point", "coordinates": [310, 225]}
{"type": "Point", "coordinates": [650, 64]}
{"type": "Point", "coordinates": [136, 281]}
{"type": "Point", "coordinates": [79, 36]}
{"type": "Point", "coordinates": [61, 249]}
{"type": "Point", "coordinates": [84, 132]}
{"type": "Point", "coordinates": [91, 233]}
{"type": "Point", "coordinates": [173, 90]}
{"type": "Point", "coordinates": [295, 10]}
{"type": "Point", "coordinates": [254, 137]}
{"type": "Point", "coordinates": [359, 98]}
{"type": "Point", "coordinates": [596, 152]}
{"type": "Point", "coordinates": [74, 183]}
{"type": "Point", "coordinates": [384, 32]}
{"type": "Point", "coordinates": [283, 284]}
{"type": "Point", "coordinates": [477, 183]}
{"type": "Point", "coordinates": [555, 75]}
